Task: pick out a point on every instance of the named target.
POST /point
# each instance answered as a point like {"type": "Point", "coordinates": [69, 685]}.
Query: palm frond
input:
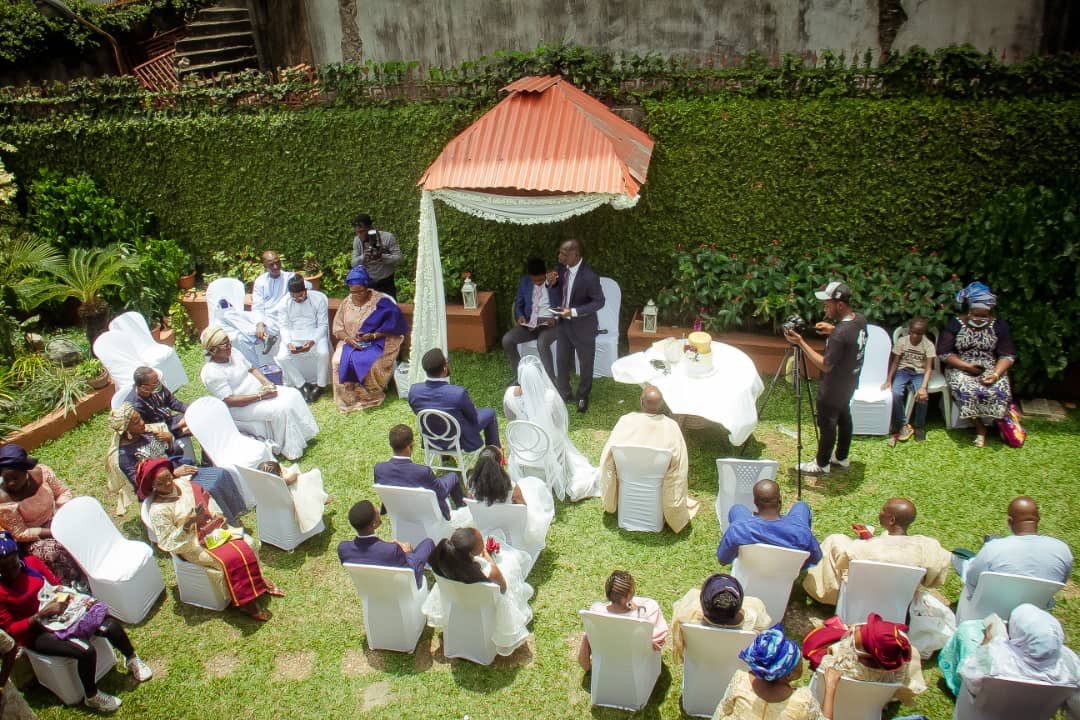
{"type": "Point", "coordinates": [86, 272]}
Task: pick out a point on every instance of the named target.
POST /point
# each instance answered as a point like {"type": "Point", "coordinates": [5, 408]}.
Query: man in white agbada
{"type": "Point", "coordinates": [304, 353]}
{"type": "Point", "coordinates": [650, 428]}
{"type": "Point", "coordinates": [267, 292]}
{"type": "Point", "coordinates": [534, 398]}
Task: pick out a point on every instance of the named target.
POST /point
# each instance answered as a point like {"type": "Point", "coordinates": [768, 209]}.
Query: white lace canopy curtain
{"type": "Point", "coordinates": [429, 305]}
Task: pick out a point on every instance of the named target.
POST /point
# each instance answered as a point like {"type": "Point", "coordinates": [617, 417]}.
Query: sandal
{"type": "Point", "coordinates": [980, 441]}
{"type": "Point", "coordinates": [255, 612]}
{"type": "Point", "coordinates": [273, 590]}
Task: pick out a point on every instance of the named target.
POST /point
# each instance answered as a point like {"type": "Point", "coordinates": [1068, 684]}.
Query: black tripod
{"type": "Point", "coordinates": [801, 382]}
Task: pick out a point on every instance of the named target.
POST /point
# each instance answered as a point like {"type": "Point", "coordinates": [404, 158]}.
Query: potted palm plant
{"type": "Point", "coordinates": [312, 271]}
{"type": "Point", "coordinates": [83, 275]}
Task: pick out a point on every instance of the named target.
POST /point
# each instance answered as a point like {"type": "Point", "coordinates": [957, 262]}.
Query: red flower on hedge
{"type": "Point", "coordinates": [933, 253]}
{"type": "Point", "coordinates": [914, 250]}
{"type": "Point", "coordinates": [753, 261]}
{"type": "Point", "coordinates": [922, 277]}
{"type": "Point", "coordinates": [775, 241]}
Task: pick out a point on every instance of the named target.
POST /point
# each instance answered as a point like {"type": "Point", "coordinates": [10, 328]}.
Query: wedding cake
{"type": "Point", "coordinates": [699, 359]}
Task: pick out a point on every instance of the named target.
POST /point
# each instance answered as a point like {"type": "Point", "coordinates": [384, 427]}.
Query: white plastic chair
{"type": "Point", "coordinates": [61, 675]}
{"type": "Point", "coordinates": [767, 573]}
{"type": "Point", "coordinates": [196, 584]}
{"type": "Point", "coordinates": [710, 658]}
{"type": "Point", "coordinates": [871, 407]}
{"type": "Point", "coordinates": [735, 484]}
{"type": "Point", "coordinates": [213, 426]}
{"type": "Point", "coordinates": [607, 340]}
{"type": "Point", "coordinates": [877, 587]}
{"type": "Point", "coordinates": [529, 447]}
{"type": "Point", "coordinates": [1004, 699]}
{"type": "Point", "coordinates": [624, 664]}
{"type": "Point", "coordinates": [141, 344]}
{"type": "Point", "coordinates": [470, 611]}
{"type": "Point", "coordinates": [274, 510]}
{"type": "Point", "coordinates": [508, 518]}
{"type": "Point", "coordinates": [392, 605]}
{"type": "Point", "coordinates": [415, 514]}
{"type": "Point", "coordinates": [1001, 593]}
{"type": "Point", "coordinates": [855, 699]}
{"type": "Point", "coordinates": [440, 437]}
{"type": "Point", "coordinates": [122, 572]}
{"type": "Point", "coordinates": [641, 479]}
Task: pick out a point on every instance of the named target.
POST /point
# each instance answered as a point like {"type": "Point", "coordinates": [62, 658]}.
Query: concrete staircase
{"type": "Point", "coordinates": [220, 39]}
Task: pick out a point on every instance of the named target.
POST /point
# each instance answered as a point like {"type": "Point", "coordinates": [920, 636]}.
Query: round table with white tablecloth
{"type": "Point", "coordinates": [727, 396]}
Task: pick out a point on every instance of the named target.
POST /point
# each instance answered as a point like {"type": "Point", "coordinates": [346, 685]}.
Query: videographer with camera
{"type": "Point", "coordinates": [378, 252]}
{"type": "Point", "coordinates": [839, 366]}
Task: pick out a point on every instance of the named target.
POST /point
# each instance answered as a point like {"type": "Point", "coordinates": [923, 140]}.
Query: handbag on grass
{"type": "Point", "coordinates": [1012, 432]}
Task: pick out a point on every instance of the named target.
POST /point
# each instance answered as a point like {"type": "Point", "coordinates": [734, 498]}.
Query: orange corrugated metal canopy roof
{"type": "Point", "coordinates": [546, 136]}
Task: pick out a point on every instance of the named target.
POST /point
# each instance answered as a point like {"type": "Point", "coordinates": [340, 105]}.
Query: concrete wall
{"type": "Point", "coordinates": [450, 31]}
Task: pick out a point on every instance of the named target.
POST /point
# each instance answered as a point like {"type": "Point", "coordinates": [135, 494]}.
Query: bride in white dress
{"type": "Point", "coordinates": [534, 398]}
{"type": "Point", "coordinates": [489, 484]}
{"type": "Point", "coordinates": [464, 558]}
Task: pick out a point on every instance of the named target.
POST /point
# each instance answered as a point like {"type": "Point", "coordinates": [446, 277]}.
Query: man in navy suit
{"type": "Point", "coordinates": [533, 317]}
{"type": "Point", "coordinates": [367, 549]}
{"type": "Point", "coordinates": [401, 471]}
{"type": "Point", "coordinates": [436, 393]}
{"type": "Point", "coordinates": [580, 296]}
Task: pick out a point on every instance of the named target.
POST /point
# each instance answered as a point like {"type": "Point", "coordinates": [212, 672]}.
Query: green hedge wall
{"type": "Point", "coordinates": [871, 175]}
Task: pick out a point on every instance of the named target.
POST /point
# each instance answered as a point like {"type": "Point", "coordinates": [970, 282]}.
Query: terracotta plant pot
{"type": "Point", "coordinates": [100, 381]}
{"type": "Point", "coordinates": [315, 280]}
{"type": "Point", "coordinates": [186, 282]}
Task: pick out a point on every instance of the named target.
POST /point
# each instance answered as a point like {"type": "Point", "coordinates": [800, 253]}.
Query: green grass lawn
{"type": "Point", "coordinates": [311, 659]}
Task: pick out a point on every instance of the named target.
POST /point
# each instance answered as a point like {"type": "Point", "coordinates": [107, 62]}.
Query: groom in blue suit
{"type": "Point", "coordinates": [578, 286]}
{"type": "Point", "coordinates": [436, 393]}
{"type": "Point", "coordinates": [401, 471]}
{"type": "Point", "coordinates": [367, 549]}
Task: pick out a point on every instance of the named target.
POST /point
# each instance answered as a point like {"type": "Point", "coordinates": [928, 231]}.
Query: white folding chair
{"type": "Point", "coordinates": [710, 658]}
{"type": "Point", "coordinates": [1005, 699]}
{"type": "Point", "coordinates": [641, 482]}
{"type": "Point", "coordinates": [871, 407]}
{"type": "Point", "coordinates": [735, 484]}
{"type": "Point", "coordinates": [393, 619]}
{"type": "Point", "coordinates": [1001, 593]}
{"type": "Point", "coordinates": [508, 518]}
{"type": "Point", "coordinates": [855, 699]}
{"type": "Point", "coordinates": [213, 426]}
{"type": "Point", "coordinates": [607, 339]}
{"type": "Point", "coordinates": [415, 514]}
{"type": "Point", "coordinates": [61, 675]}
{"type": "Point", "coordinates": [161, 357]}
{"type": "Point", "coordinates": [470, 611]}
{"type": "Point", "coordinates": [274, 510]}
{"type": "Point", "coordinates": [767, 572]}
{"type": "Point", "coordinates": [877, 587]}
{"type": "Point", "coordinates": [624, 664]}
{"type": "Point", "coordinates": [122, 572]}
{"type": "Point", "coordinates": [529, 447]}
{"type": "Point", "coordinates": [440, 438]}
{"type": "Point", "coordinates": [196, 584]}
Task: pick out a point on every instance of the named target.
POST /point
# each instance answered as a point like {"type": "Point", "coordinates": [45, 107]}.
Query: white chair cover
{"type": "Point", "coordinates": [624, 665]}
{"type": "Point", "coordinates": [735, 484]}
{"type": "Point", "coordinates": [1001, 593]}
{"type": "Point", "coordinates": [275, 511]}
{"type": "Point", "coordinates": [512, 520]}
{"type": "Point", "coordinates": [767, 572]}
{"type": "Point", "coordinates": [415, 514]}
{"type": "Point", "coordinates": [392, 616]}
{"type": "Point", "coordinates": [641, 476]}
{"type": "Point", "coordinates": [438, 430]}
{"type": "Point", "coordinates": [470, 610]}
{"type": "Point", "coordinates": [855, 699]}
{"type": "Point", "coordinates": [877, 587]}
{"type": "Point", "coordinates": [161, 357]}
{"type": "Point", "coordinates": [711, 657]}
{"type": "Point", "coordinates": [229, 289]}
{"type": "Point", "coordinates": [1004, 699]}
{"type": "Point", "coordinates": [122, 572]}
{"type": "Point", "coordinates": [871, 407]}
{"type": "Point", "coordinates": [61, 675]}
{"type": "Point", "coordinates": [213, 426]}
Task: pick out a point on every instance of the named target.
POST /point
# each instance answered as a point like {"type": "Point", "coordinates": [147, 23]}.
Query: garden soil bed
{"type": "Point", "coordinates": [57, 423]}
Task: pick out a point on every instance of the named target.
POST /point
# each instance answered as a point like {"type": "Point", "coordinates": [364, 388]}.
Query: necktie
{"type": "Point", "coordinates": [537, 289]}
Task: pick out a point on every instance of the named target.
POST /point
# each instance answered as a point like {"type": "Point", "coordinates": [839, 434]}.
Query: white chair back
{"type": "Point", "coordinates": [871, 407]}
{"type": "Point", "coordinates": [274, 510]}
{"type": "Point", "coordinates": [393, 619]}
{"type": "Point", "coordinates": [213, 426]}
{"type": "Point", "coordinates": [508, 518]}
{"type": "Point", "coordinates": [875, 366]}
{"type": "Point", "coordinates": [855, 699]}
{"type": "Point", "coordinates": [1001, 593]}
{"type": "Point", "coordinates": [767, 572]}
{"type": "Point", "coordinates": [229, 289]}
{"type": "Point", "coordinates": [113, 349]}
{"type": "Point", "coordinates": [414, 514]}
{"type": "Point", "coordinates": [735, 484]}
{"type": "Point", "coordinates": [1004, 699]}
{"type": "Point", "coordinates": [144, 515]}
{"type": "Point", "coordinates": [641, 478]}
{"type": "Point", "coordinates": [122, 572]}
{"type": "Point", "coordinates": [440, 437]}
{"type": "Point", "coordinates": [877, 587]}
{"type": "Point", "coordinates": [529, 446]}
{"type": "Point", "coordinates": [711, 657]}
{"type": "Point", "coordinates": [61, 675]}
{"type": "Point", "coordinates": [198, 586]}
{"type": "Point", "coordinates": [141, 344]}
{"type": "Point", "coordinates": [470, 612]}
{"type": "Point", "coordinates": [607, 341]}
{"type": "Point", "coordinates": [624, 664]}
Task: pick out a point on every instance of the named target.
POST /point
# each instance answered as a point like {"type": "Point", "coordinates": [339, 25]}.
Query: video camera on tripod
{"type": "Point", "coordinates": [372, 246]}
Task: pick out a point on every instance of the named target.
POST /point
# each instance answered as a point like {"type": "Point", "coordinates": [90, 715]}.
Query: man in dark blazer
{"type": "Point", "coordinates": [533, 318]}
{"type": "Point", "coordinates": [580, 297]}
{"type": "Point", "coordinates": [436, 393]}
{"type": "Point", "coordinates": [401, 471]}
{"type": "Point", "coordinates": [367, 549]}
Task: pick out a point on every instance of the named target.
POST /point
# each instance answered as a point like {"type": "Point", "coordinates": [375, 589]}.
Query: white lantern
{"type": "Point", "coordinates": [468, 293]}
{"type": "Point", "coordinates": [648, 317]}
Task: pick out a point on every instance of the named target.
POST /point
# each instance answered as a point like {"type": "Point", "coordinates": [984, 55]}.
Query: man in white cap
{"type": "Point", "coordinates": [839, 366]}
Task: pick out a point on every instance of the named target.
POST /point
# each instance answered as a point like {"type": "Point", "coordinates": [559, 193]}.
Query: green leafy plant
{"type": "Point", "coordinates": [71, 211]}
{"type": "Point", "coordinates": [244, 265]}
{"type": "Point", "coordinates": [85, 275]}
{"type": "Point", "coordinates": [181, 324]}
{"type": "Point", "coordinates": [333, 282]}
{"type": "Point", "coordinates": [150, 283]}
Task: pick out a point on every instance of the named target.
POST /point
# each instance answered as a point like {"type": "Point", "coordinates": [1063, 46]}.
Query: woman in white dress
{"type": "Point", "coordinates": [490, 484]}
{"type": "Point", "coordinates": [464, 558]}
{"type": "Point", "coordinates": [251, 398]}
{"type": "Point", "coordinates": [534, 399]}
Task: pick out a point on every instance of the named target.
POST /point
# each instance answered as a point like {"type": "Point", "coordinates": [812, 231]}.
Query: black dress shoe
{"type": "Point", "coordinates": [316, 393]}
{"type": "Point", "coordinates": [582, 405]}
{"type": "Point", "coordinates": [305, 391]}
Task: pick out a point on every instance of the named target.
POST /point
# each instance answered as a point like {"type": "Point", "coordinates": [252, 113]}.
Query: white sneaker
{"type": "Point", "coordinates": [810, 467]}
{"type": "Point", "coordinates": [139, 669]}
{"type": "Point", "coordinates": [846, 463]}
{"type": "Point", "coordinates": [103, 702]}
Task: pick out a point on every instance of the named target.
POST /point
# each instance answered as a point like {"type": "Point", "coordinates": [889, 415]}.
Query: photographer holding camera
{"type": "Point", "coordinates": [840, 366]}
{"type": "Point", "coordinates": [378, 252]}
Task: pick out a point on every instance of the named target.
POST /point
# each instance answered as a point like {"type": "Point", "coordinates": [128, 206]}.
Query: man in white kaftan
{"type": "Point", "coordinates": [650, 428]}
{"type": "Point", "coordinates": [267, 293]}
{"type": "Point", "coordinates": [304, 354]}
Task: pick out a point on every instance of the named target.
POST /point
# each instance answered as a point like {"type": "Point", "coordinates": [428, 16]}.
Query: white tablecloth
{"type": "Point", "coordinates": [727, 397]}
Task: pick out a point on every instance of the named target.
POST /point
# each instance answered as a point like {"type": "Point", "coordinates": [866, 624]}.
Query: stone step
{"type": "Point", "coordinates": [212, 55]}
{"type": "Point", "coordinates": [201, 29]}
{"type": "Point", "coordinates": [189, 45]}
{"type": "Point", "coordinates": [212, 68]}
{"type": "Point", "coordinates": [215, 14]}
